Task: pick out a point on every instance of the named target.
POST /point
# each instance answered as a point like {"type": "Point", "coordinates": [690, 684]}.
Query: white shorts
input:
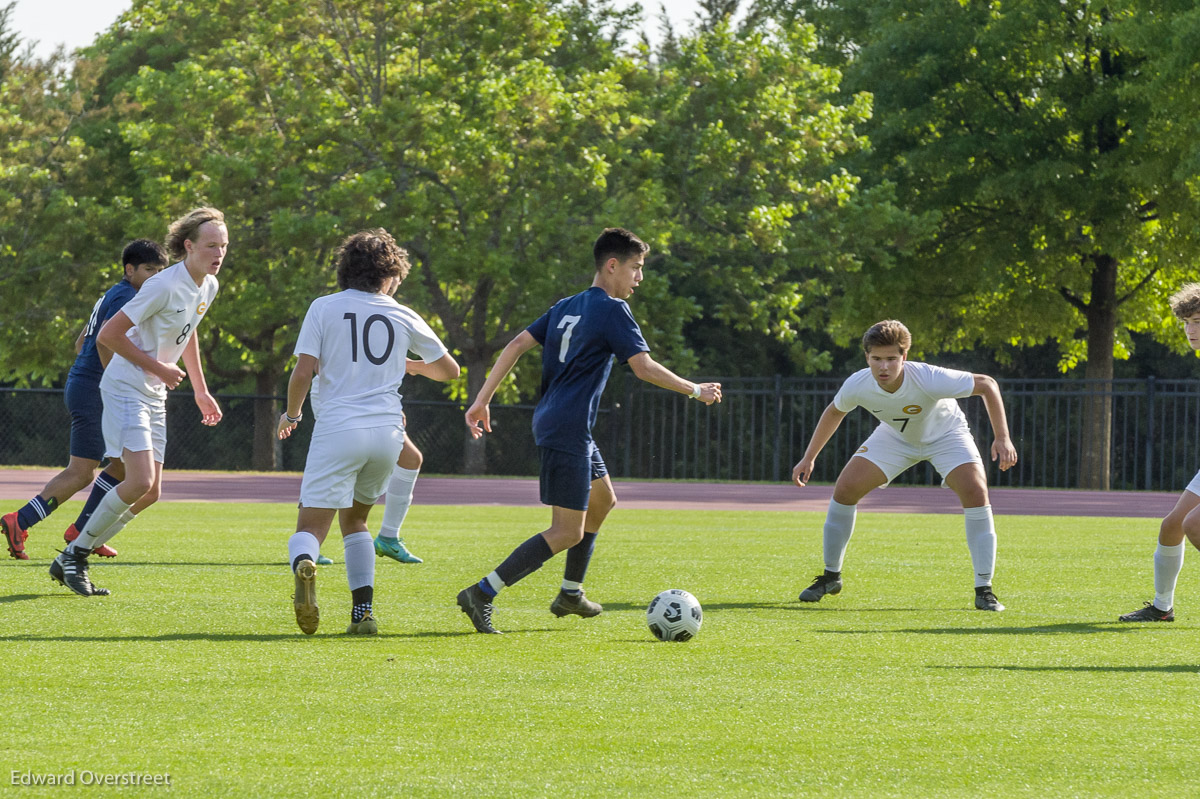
{"type": "Point", "coordinates": [893, 455]}
{"type": "Point", "coordinates": [1194, 486]}
{"type": "Point", "coordinates": [134, 424]}
{"type": "Point", "coordinates": [350, 466]}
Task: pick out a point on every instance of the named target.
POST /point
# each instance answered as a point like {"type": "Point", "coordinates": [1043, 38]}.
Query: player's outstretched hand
{"type": "Point", "coordinates": [210, 411]}
{"type": "Point", "coordinates": [170, 374]}
{"type": "Point", "coordinates": [479, 418]}
{"type": "Point", "coordinates": [710, 393]}
{"type": "Point", "coordinates": [802, 471]}
{"type": "Point", "coordinates": [284, 428]}
{"type": "Point", "coordinates": [1004, 452]}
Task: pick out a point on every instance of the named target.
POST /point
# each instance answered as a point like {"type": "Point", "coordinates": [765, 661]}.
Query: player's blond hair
{"type": "Point", "coordinates": [184, 228]}
{"type": "Point", "coordinates": [888, 333]}
{"type": "Point", "coordinates": [1186, 301]}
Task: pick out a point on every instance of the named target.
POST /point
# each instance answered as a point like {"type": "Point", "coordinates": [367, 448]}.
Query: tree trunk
{"type": "Point", "coordinates": [1095, 472]}
{"type": "Point", "coordinates": [266, 416]}
{"type": "Point", "coordinates": [475, 452]}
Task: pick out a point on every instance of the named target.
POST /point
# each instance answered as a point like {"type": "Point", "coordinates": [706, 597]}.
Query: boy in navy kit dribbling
{"type": "Point", "coordinates": [580, 336]}
{"type": "Point", "coordinates": [142, 259]}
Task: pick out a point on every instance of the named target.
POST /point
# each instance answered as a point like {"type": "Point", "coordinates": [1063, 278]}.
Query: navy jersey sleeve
{"type": "Point", "coordinates": [540, 328]}
{"type": "Point", "coordinates": [624, 335]}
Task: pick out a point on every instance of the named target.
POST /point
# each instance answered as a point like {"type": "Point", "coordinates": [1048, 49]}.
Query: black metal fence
{"type": "Point", "coordinates": [757, 433]}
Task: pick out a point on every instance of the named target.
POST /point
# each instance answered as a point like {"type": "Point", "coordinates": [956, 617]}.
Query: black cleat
{"type": "Point", "coordinates": [478, 607]}
{"type": "Point", "coordinates": [986, 600]}
{"type": "Point", "coordinates": [70, 568]}
{"type": "Point", "coordinates": [822, 585]}
{"type": "Point", "coordinates": [1149, 613]}
{"type": "Point", "coordinates": [565, 604]}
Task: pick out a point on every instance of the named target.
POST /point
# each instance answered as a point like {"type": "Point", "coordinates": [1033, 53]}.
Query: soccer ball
{"type": "Point", "coordinates": [674, 615]}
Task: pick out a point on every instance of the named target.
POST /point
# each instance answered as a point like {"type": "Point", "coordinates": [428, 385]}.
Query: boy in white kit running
{"type": "Point", "coordinates": [919, 420]}
{"type": "Point", "coordinates": [358, 339]}
{"type": "Point", "coordinates": [148, 336]}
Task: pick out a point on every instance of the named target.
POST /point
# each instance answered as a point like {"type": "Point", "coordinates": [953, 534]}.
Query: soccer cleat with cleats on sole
{"type": "Point", "coordinates": [14, 535]}
{"type": "Point", "coordinates": [308, 615]}
{"type": "Point", "coordinates": [104, 551]}
{"type": "Point", "coordinates": [1149, 613]}
{"type": "Point", "coordinates": [578, 604]}
{"type": "Point", "coordinates": [822, 585]}
{"type": "Point", "coordinates": [366, 626]}
{"type": "Point", "coordinates": [986, 600]}
{"type": "Point", "coordinates": [394, 548]}
{"type": "Point", "coordinates": [478, 607]}
{"type": "Point", "coordinates": [70, 569]}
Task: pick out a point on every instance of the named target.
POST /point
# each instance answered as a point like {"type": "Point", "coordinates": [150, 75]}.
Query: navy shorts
{"type": "Point", "coordinates": [87, 410]}
{"type": "Point", "coordinates": [566, 478]}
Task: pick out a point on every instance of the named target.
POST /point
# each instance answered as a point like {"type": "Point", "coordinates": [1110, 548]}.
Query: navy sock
{"type": "Point", "coordinates": [524, 560]}
{"type": "Point", "coordinates": [35, 510]}
{"type": "Point", "coordinates": [103, 483]}
{"type": "Point", "coordinates": [578, 558]}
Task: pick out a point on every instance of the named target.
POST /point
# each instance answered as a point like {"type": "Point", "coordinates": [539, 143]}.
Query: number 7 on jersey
{"type": "Point", "coordinates": [569, 323]}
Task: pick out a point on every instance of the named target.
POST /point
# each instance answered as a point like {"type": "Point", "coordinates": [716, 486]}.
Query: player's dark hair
{"type": "Point", "coordinates": [619, 243]}
{"type": "Point", "coordinates": [184, 228]}
{"type": "Point", "coordinates": [368, 258]}
{"type": "Point", "coordinates": [143, 251]}
{"type": "Point", "coordinates": [888, 333]}
{"type": "Point", "coordinates": [1186, 301]}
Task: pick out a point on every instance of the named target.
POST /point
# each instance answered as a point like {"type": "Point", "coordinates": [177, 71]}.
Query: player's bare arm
{"type": "Point", "coordinates": [479, 415]}
{"type": "Point", "coordinates": [298, 385]}
{"type": "Point", "coordinates": [442, 370]}
{"type": "Point", "coordinates": [651, 371]}
{"type": "Point", "coordinates": [112, 336]}
{"type": "Point", "coordinates": [827, 425]}
{"type": "Point", "coordinates": [1003, 450]}
{"type": "Point", "coordinates": [210, 410]}
{"type": "Point", "coordinates": [79, 340]}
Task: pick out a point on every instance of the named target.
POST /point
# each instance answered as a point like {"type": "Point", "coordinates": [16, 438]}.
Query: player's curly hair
{"type": "Point", "coordinates": [1186, 301]}
{"type": "Point", "coordinates": [888, 333]}
{"type": "Point", "coordinates": [184, 228]}
{"type": "Point", "coordinates": [368, 258]}
{"type": "Point", "coordinates": [619, 243]}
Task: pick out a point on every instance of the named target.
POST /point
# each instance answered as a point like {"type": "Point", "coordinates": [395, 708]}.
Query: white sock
{"type": "Point", "coordinates": [359, 551]}
{"type": "Point", "coordinates": [399, 497]}
{"type": "Point", "coordinates": [105, 515]}
{"type": "Point", "coordinates": [1168, 562]}
{"type": "Point", "coordinates": [303, 543]}
{"type": "Point", "coordinates": [116, 527]}
{"type": "Point", "coordinates": [839, 526]}
{"type": "Point", "coordinates": [981, 540]}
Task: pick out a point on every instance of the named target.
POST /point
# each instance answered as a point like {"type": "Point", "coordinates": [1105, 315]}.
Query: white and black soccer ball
{"type": "Point", "coordinates": [674, 615]}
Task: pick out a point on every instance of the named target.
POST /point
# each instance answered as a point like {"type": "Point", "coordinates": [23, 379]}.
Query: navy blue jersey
{"type": "Point", "coordinates": [579, 337]}
{"type": "Point", "coordinates": [87, 364]}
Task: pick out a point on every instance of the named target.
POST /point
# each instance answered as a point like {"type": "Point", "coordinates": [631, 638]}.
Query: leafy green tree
{"type": "Point", "coordinates": [1032, 133]}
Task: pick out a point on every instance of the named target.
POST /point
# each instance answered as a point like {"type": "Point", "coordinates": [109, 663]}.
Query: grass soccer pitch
{"type": "Point", "coordinates": [194, 667]}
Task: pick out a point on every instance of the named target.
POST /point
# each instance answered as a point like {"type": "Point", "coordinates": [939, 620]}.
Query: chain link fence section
{"type": "Point", "coordinates": [757, 433]}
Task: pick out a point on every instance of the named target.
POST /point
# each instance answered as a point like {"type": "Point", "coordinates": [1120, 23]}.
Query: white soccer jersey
{"type": "Point", "coordinates": [361, 341]}
{"type": "Point", "coordinates": [922, 410]}
{"type": "Point", "coordinates": [165, 313]}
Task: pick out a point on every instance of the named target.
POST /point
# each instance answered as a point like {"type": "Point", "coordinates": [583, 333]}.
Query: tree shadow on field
{"type": "Point", "coordinates": [705, 606]}
{"type": "Point", "coordinates": [1073, 628]}
{"type": "Point", "coordinates": [334, 633]}
{"type": "Point", "coordinates": [1179, 669]}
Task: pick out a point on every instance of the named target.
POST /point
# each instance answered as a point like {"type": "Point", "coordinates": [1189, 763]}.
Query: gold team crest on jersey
{"type": "Point", "coordinates": [201, 309]}
{"type": "Point", "coordinates": [912, 410]}
{"type": "Point", "coordinates": [861, 449]}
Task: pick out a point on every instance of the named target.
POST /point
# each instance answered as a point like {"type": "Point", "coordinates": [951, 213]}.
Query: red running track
{"type": "Point", "coordinates": [22, 484]}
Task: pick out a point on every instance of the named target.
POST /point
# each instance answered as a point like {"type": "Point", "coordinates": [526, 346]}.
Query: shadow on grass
{"type": "Point", "coordinates": [1115, 669]}
{"type": "Point", "coordinates": [706, 606]}
{"type": "Point", "coordinates": [1075, 628]}
{"type": "Point", "coordinates": [23, 597]}
{"type": "Point", "coordinates": [245, 637]}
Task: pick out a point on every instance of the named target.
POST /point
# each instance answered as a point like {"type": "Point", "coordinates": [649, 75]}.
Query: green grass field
{"type": "Point", "coordinates": [194, 666]}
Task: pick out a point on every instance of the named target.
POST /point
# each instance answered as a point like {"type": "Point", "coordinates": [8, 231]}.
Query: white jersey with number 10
{"type": "Point", "coordinates": [361, 341]}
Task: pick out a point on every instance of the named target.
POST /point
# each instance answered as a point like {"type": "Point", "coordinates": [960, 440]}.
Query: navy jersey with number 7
{"type": "Point", "coordinates": [579, 337]}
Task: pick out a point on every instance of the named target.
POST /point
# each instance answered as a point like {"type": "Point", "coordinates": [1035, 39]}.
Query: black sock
{"type": "Point", "coordinates": [524, 560]}
{"type": "Point", "coordinates": [361, 598]}
{"type": "Point", "coordinates": [578, 558]}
